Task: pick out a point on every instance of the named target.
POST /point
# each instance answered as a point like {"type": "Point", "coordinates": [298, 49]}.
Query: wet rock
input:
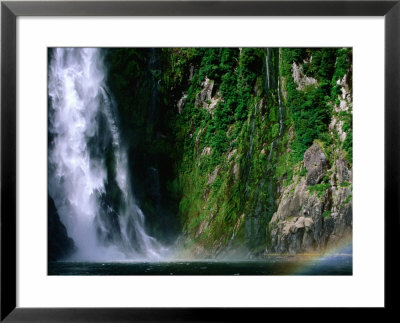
{"type": "Point", "coordinates": [181, 103]}
{"type": "Point", "coordinates": [205, 98]}
{"type": "Point", "coordinates": [298, 225]}
{"type": "Point", "coordinates": [338, 126]}
{"type": "Point", "coordinates": [213, 176]}
{"type": "Point", "coordinates": [236, 170]}
{"type": "Point", "coordinates": [206, 93]}
{"type": "Point", "coordinates": [300, 78]}
{"type": "Point", "coordinates": [315, 163]}
{"type": "Point", "coordinates": [231, 154]}
{"type": "Point", "coordinates": [290, 205]}
{"type": "Point", "coordinates": [254, 231]}
{"type": "Point", "coordinates": [346, 97]}
{"type": "Point", "coordinates": [206, 151]}
{"type": "Point", "coordinates": [152, 183]}
{"type": "Point", "coordinates": [343, 170]}
{"type": "Point", "coordinates": [212, 105]}
{"type": "Point", "coordinates": [60, 245]}
{"type": "Point", "coordinates": [191, 72]}
{"type": "Point", "coordinates": [308, 223]}
{"type": "Point", "coordinates": [308, 241]}
{"type": "Point", "coordinates": [328, 225]}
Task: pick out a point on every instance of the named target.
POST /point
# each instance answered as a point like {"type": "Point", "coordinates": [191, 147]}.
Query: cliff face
{"type": "Point", "coordinates": [60, 244]}
{"type": "Point", "coordinates": [251, 152]}
{"type": "Point", "coordinates": [315, 211]}
{"type": "Point", "coordinates": [134, 78]}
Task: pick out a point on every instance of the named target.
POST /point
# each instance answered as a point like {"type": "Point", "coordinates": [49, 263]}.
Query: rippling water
{"type": "Point", "coordinates": [273, 265]}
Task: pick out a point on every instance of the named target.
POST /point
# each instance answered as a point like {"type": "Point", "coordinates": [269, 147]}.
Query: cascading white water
{"type": "Point", "coordinates": [280, 108]}
{"type": "Point", "coordinates": [83, 127]}
{"type": "Point", "coordinates": [267, 68]}
{"type": "Point", "coordinates": [279, 101]}
{"type": "Point", "coordinates": [253, 122]}
{"type": "Point", "coordinates": [281, 111]}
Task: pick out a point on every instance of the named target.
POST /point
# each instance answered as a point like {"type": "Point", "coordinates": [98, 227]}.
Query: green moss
{"type": "Point", "coordinates": [344, 184]}
{"type": "Point", "coordinates": [326, 214]}
{"type": "Point", "coordinates": [246, 119]}
{"type": "Point", "coordinates": [319, 189]}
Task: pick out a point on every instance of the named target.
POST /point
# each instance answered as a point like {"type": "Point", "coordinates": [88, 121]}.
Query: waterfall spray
{"type": "Point", "coordinates": [88, 162]}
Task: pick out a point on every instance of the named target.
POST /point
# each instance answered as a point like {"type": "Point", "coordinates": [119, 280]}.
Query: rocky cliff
{"type": "Point", "coordinates": [315, 211]}
{"type": "Point", "coordinates": [60, 245]}
{"type": "Point", "coordinates": [251, 149]}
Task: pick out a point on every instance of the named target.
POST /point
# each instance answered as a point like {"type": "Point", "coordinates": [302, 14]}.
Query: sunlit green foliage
{"type": "Point", "coordinates": [222, 160]}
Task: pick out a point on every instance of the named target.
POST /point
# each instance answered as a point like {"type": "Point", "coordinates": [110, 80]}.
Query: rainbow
{"type": "Point", "coordinates": [327, 261]}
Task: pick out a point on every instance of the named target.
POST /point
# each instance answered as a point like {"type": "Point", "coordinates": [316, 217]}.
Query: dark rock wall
{"type": "Point", "coordinates": [60, 245]}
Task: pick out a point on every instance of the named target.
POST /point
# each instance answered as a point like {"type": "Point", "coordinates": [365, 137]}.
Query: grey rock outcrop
{"type": "Point", "coordinates": [205, 98]}
{"type": "Point", "coordinates": [315, 162]}
{"type": "Point", "coordinates": [300, 78]}
{"type": "Point", "coordinates": [344, 173]}
{"type": "Point", "coordinates": [181, 103]}
{"type": "Point", "coordinates": [346, 96]}
{"type": "Point", "coordinates": [206, 93]}
{"type": "Point", "coordinates": [308, 220]}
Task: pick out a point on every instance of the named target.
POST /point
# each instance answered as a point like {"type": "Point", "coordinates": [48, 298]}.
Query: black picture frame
{"type": "Point", "coordinates": [10, 10]}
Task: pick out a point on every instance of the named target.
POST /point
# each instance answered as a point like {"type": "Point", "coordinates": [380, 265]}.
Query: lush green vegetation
{"type": "Point", "coordinates": [223, 155]}
{"type": "Point", "coordinates": [312, 108]}
{"type": "Point", "coordinates": [326, 214]}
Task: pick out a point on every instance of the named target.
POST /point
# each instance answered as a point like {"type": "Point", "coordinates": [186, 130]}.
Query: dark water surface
{"type": "Point", "coordinates": [272, 265]}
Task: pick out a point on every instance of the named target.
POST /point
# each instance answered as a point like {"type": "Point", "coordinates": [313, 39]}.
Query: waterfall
{"type": "Point", "coordinates": [250, 152]}
{"type": "Point", "coordinates": [281, 112]}
{"type": "Point", "coordinates": [280, 104]}
{"type": "Point", "coordinates": [253, 120]}
{"type": "Point", "coordinates": [88, 173]}
{"type": "Point", "coordinates": [267, 68]}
